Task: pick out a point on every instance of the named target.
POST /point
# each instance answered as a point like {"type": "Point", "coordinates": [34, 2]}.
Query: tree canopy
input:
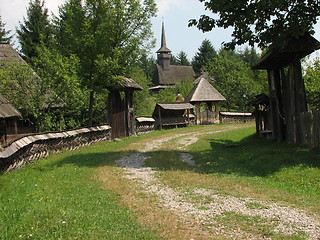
{"type": "Point", "coordinates": [312, 80]}
{"type": "Point", "coordinates": [205, 53]}
{"type": "Point", "coordinates": [106, 36]}
{"type": "Point", "coordinates": [35, 29]}
{"type": "Point", "coordinates": [4, 34]}
{"type": "Point", "coordinates": [260, 22]}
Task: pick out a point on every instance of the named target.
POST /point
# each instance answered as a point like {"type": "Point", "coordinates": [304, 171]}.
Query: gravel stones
{"type": "Point", "coordinates": [287, 220]}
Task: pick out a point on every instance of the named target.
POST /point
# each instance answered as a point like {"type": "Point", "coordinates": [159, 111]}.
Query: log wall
{"type": "Point", "coordinates": [310, 128]}
{"type": "Point", "coordinates": [33, 147]}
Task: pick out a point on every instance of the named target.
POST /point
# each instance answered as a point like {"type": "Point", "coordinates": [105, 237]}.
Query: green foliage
{"type": "Point", "coordinates": [205, 53]}
{"type": "Point", "coordinates": [4, 38]}
{"type": "Point", "coordinates": [106, 36]}
{"type": "Point", "coordinates": [148, 64]}
{"type": "Point", "coordinates": [23, 88]}
{"type": "Point", "coordinates": [312, 83]}
{"type": "Point", "coordinates": [170, 94]}
{"type": "Point", "coordinates": [260, 22]}
{"type": "Point", "coordinates": [144, 103]}
{"type": "Point", "coordinates": [183, 88]}
{"type": "Point", "coordinates": [165, 95]}
{"type": "Point", "coordinates": [59, 74]}
{"type": "Point", "coordinates": [181, 59]}
{"type": "Point", "coordinates": [35, 29]}
{"type": "Point", "coordinates": [234, 80]}
{"type": "Point", "coordinates": [250, 56]}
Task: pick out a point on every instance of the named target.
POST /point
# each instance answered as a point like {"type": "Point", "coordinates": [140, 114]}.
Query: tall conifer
{"type": "Point", "coordinates": [4, 34]}
{"type": "Point", "coordinates": [35, 29]}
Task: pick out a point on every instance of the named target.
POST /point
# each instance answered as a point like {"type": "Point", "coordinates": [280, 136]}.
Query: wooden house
{"type": "Point", "coordinates": [8, 119]}
{"type": "Point", "coordinates": [204, 97]}
{"type": "Point", "coordinates": [121, 107]}
{"type": "Point", "coordinates": [286, 86]}
{"type": "Point", "coordinates": [167, 75]}
{"type": "Point", "coordinates": [168, 115]}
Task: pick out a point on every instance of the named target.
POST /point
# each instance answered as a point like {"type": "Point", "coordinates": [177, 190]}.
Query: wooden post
{"type": "Point", "coordinates": [15, 126]}
{"type": "Point", "coordinates": [300, 93]}
{"type": "Point", "coordinates": [159, 114]}
{"type": "Point", "coordinates": [216, 110]}
{"type": "Point", "coordinates": [198, 113]}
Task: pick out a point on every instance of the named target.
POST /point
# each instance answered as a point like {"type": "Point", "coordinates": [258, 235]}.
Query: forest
{"type": "Point", "coordinates": [88, 45]}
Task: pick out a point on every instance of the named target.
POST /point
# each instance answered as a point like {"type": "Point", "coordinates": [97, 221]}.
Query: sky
{"type": "Point", "coordinates": [174, 13]}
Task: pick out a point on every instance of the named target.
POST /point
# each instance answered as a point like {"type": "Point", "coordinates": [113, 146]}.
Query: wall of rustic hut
{"type": "Point", "coordinates": [231, 117]}
{"type": "Point", "coordinates": [33, 147]}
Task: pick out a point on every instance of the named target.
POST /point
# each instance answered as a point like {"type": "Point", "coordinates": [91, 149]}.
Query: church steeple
{"type": "Point", "coordinates": [164, 53]}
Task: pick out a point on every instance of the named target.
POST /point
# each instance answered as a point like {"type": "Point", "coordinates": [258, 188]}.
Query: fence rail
{"type": "Point", "coordinates": [33, 147]}
{"type": "Point", "coordinates": [310, 128]}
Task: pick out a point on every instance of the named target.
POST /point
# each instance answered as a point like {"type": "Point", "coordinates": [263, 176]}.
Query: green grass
{"type": "Point", "coordinates": [239, 156]}
{"type": "Point", "coordinates": [60, 198]}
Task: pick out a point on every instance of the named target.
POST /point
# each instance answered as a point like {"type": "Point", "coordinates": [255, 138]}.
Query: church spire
{"type": "Point", "coordinates": [164, 52]}
{"type": "Point", "coordinates": [163, 47]}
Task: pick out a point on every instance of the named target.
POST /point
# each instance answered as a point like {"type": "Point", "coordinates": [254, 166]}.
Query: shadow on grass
{"type": "Point", "coordinates": [249, 157]}
{"type": "Point", "coordinates": [253, 156]}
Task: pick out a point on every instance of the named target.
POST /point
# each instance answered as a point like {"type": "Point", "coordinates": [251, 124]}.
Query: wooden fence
{"type": "Point", "coordinates": [310, 128]}
{"type": "Point", "coordinates": [30, 148]}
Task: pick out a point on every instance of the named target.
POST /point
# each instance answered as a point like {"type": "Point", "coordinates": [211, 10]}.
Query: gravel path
{"type": "Point", "coordinates": [286, 220]}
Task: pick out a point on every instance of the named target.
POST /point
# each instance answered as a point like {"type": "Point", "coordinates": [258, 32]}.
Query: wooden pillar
{"type": "Point", "coordinates": [198, 121]}
{"type": "Point", "coordinates": [277, 126]}
{"type": "Point", "coordinates": [298, 97]}
{"type": "Point", "coordinates": [15, 125]}
{"type": "Point", "coordinates": [216, 110]}
{"type": "Point", "coordinates": [159, 114]}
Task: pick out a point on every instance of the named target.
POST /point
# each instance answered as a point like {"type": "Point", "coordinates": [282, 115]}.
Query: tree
{"type": "Point", "coordinates": [205, 53]}
{"type": "Point", "coordinates": [260, 22]}
{"type": "Point", "coordinates": [4, 38]}
{"type": "Point", "coordinates": [312, 79]}
{"type": "Point", "coordinates": [21, 86]}
{"type": "Point", "coordinates": [250, 56]}
{"type": "Point", "coordinates": [148, 64]}
{"type": "Point", "coordinates": [182, 59]}
{"type": "Point", "coordinates": [35, 29]}
{"type": "Point", "coordinates": [106, 36]}
{"type": "Point", "coordinates": [233, 79]}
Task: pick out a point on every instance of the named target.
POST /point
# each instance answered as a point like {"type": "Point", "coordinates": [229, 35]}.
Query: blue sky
{"type": "Point", "coordinates": [174, 13]}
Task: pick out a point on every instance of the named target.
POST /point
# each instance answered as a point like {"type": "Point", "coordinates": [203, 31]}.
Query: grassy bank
{"type": "Point", "coordinates": [61, 197]}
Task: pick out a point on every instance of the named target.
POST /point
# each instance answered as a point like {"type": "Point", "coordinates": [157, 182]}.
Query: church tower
{"type": "Point", "coordinates": [164, 53]}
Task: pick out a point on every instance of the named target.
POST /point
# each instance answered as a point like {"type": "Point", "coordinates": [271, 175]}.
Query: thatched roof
{"type": "Point", "coordinates": [175, 74]}
{"type": "Point", "coordinates": [171, 108]}
{"type": "Point", "coordinates": [125, 83]}
{"type": "Point", "coordinates": [204, 92]}
{"type": "Point", "coordinates": [8, 54]}
{"type": "Point", "coordinates": [6, 109]}
{"type": "Point", "coordinates": [175, 106]}
{"type": "Point", "coordinates": [261, 99]}
{"type": "Point", "coordinates": [295, 48]}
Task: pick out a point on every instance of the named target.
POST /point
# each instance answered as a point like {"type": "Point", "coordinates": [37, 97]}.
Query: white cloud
{"type": "Point", "coordinates": [165, 5]}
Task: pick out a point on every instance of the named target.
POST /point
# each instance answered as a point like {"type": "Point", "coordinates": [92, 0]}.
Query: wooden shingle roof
{"type": "Point", "coordinates": [8, 54]}
{"type": "Point", "coordinates": [277, 57]}
{"type": "Point", "coordinates": [176, 73]}
{"type": "Point", "coordinates": [204, 92]}
{"type": "Point", "coordinates": [124, 83]}
{"type": "Point", "coordinates": [6, 109]}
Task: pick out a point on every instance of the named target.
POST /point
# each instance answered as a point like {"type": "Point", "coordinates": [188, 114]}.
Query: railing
{"type": "Point", "coordinates": [33, 147]}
